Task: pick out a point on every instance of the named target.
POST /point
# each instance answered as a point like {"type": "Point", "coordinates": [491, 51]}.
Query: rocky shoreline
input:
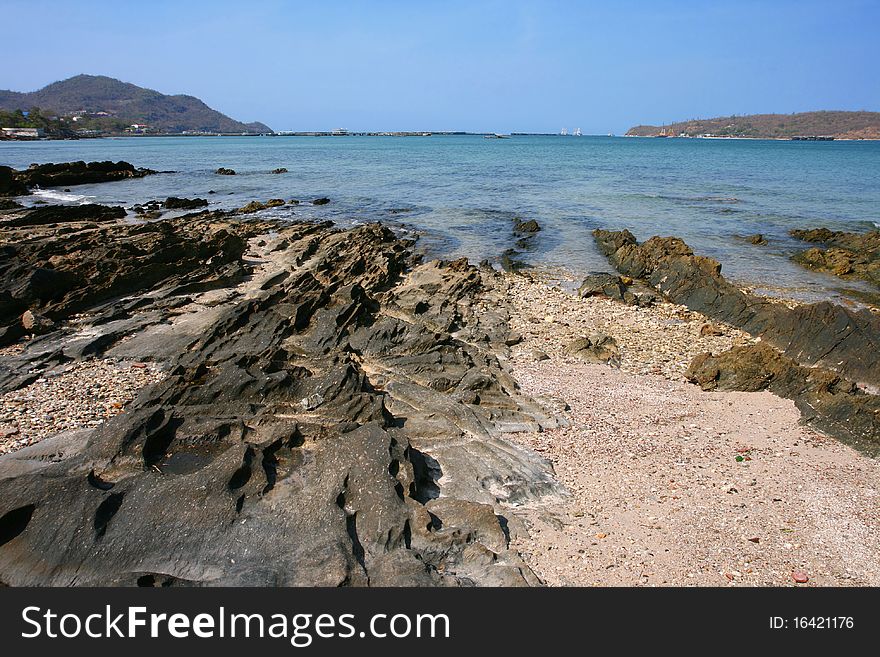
{"type": "Point", "coordinates": [219, 399]}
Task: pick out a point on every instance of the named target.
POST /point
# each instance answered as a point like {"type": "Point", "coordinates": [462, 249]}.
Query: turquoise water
{"type": "Point", "coordinates": [462, 192]}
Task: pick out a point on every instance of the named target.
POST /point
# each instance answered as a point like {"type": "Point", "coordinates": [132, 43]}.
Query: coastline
{"type": "Point", "coordinates": [415, 422]}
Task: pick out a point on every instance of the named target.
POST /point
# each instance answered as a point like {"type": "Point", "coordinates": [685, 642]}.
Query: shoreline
{"type": "Point", "coordinates": [657, 493]}
{"type": "Point", "coordinates": [422, 422]}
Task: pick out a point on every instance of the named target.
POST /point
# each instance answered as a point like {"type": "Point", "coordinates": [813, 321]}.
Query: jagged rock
{"type": "Point", "coordinates": [597, 348]}
{"type": "Point", "coordinates": [539, 355]}
{"type": "Point", "coordinates": [848, 255]}
{"type": "Point", "coordinates": [78, 173]}
{"type": "Point", "coordinates": [822, 334]}
{"type": "Point", "coordinates": [317, 425]}
{"type": "Point", "coordinates": [711, 329]}
{"type": "Point", "coordinates": [279, 170]}
{"type": "Point", "coordinates": [527, 227]}
{"type": "Point", "coordinates": [223, 171]}
{"type": "Point", "coordinates": [174, 203]}
{"type": "Point", "coordinates": [321, 201]}
{"type": "Point", "coordinates": [825, 400]}
{"type": "Point", "coordinates": [757, 239]}
{"type": "Point", "coordinates": [61, 273]}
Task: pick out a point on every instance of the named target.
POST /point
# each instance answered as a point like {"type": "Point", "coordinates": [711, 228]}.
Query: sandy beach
{"type": "Point", "coordinates": [670, 485]}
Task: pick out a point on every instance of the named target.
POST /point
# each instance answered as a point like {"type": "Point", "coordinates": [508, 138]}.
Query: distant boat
{"type": "Point", "coordinates": [495, 135]}
{"type": "Point", "coordinates": [563, 133]}
{"type": "Point", "coordinates": [577, 132]}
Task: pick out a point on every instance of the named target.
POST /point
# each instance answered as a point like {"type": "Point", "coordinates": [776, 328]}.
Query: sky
{"type": "Point", "coordinates": [501, 66]}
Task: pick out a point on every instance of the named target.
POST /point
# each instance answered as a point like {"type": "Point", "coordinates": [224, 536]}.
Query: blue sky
{"type": "Point", "coordinates": [479, 65]}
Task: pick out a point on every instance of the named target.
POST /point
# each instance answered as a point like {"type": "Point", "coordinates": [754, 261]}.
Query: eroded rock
{"type": "Point", "coordinates": [333, 414]}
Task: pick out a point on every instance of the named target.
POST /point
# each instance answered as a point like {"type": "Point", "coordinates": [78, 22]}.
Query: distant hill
{"type": "Point", "coordinates": [840, 125]}
{"type": "Point", "coordinates": [109, 104]}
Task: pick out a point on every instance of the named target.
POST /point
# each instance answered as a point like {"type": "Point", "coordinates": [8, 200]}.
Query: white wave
{"type": "Point", "coordinates": [62, 197]}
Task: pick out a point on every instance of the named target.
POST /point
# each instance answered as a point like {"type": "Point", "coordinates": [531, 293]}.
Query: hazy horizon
{"type": "Point", "coordinates": [482, 66]}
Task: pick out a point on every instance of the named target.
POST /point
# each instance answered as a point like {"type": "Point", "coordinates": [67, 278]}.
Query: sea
{"type": "Point", "coordinates": [461, 193]}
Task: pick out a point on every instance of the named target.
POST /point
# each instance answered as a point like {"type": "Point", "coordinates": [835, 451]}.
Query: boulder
{"type": "Point", "coordinates": [223, 171]}
{"type": "Point", "coordinates": [757, 239]}
{"type": "Point", "coordinates": [35, 323]}
{"type": "Point", "coordinates": [597, 348]}
{"type": "Point", "coordinates": [617, 287]}
{"type": "Point", "coordinates": [10, 184]}
{"type": "Point", "coordinates": [279, 170]}
{"type": "Point", "coordinates": [321, 201]}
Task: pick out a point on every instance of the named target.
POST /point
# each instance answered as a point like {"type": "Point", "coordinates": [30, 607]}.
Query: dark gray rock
{"type": "Point", "coordinates": [335, 419]}
{"type": "Point", "coordinates": [174, 203]}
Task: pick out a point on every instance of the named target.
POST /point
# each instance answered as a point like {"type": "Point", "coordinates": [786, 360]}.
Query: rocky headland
{"type": "Point", "coordinates": [218, 398]}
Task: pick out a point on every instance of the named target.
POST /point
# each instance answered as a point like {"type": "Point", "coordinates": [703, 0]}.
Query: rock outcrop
{"type": "Point", "coordinates": [826, 401]}
{"type": "Point", "coordinates": [332, 413]}
{"type": "Point", "coordinates": [74, 173]}
{"type": "Point", "coordinates": [174, 203]}
{"type": "Point", "coordinates": [823, 335]}
{"type": "Point", "coordinates": [847, 255]}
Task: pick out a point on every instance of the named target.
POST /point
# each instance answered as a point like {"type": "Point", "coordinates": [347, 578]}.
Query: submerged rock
{"type": "Point", "coordinates": [223, 171]}
{"type": "Point", "coordinates": [9, 204]}
{"type": "Point", "coordinates": [527, 227]}
{"type": "Point", "coordinates": [321, 201]}
{"type": "Point", "coordinates": [257, 206]}
{"type": "Point", "coordinates": [757, 239]}
{"type": "Point", "coordinates": [279, 170]}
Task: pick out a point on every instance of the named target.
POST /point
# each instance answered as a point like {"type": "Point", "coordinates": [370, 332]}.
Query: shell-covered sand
{"type": "Point", "coordinates": [670, 485]}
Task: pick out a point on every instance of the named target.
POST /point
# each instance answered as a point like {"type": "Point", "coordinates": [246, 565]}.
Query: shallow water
{"type": "Point", "coordinates": [464, 191]}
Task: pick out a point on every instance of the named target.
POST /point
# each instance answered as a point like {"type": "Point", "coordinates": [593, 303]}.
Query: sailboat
{"type": "Point", "coordinates": [563, 133]}
{"type": "Point", "coordinates": [577, 132]}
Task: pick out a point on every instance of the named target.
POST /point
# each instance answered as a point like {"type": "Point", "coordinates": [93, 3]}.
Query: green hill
{"type": "Point", "coordinates": [108, 104]}
{"type": "Point", "coordinates": [840, 125]}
